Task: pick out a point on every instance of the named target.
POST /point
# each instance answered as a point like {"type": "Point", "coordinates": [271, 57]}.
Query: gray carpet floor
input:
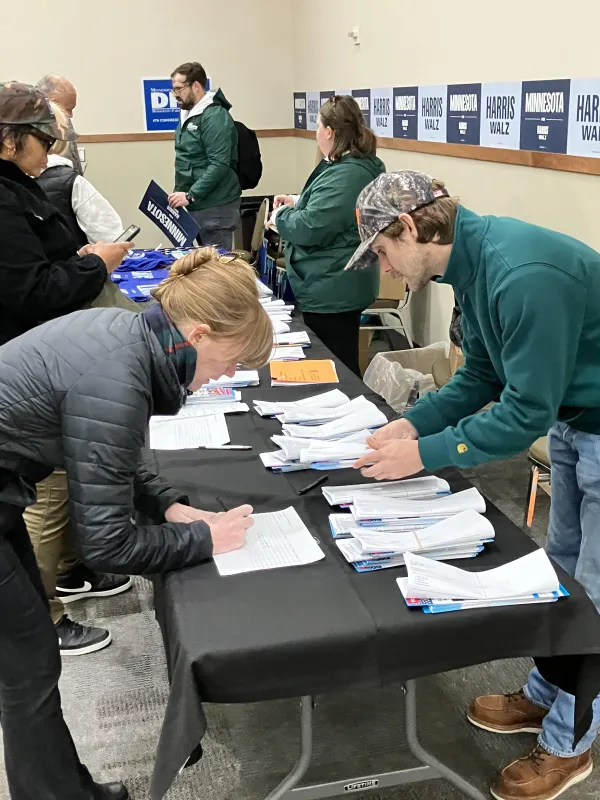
{"type": "Point", "coordinates": [114, 702]}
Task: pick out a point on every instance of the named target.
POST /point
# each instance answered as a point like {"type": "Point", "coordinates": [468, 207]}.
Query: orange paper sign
{"type": "Point", "coordinates": [304, 371]}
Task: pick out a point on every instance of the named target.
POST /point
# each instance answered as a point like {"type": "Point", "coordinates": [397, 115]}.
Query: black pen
{"type": "Point", "coordinates": [222, 504]}
{"type": "Point", "coordinates": [319, 482]}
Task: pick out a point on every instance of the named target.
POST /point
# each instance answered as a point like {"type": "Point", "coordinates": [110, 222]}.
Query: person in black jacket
{"type": "Point", "coordinates": [41, 274]}
{"type": "Point", "coordinates": [76, 393]}
{"type": "Point", "coordinates": [42, 277]}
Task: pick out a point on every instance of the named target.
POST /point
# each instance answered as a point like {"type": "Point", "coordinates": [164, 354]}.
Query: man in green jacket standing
{"type": "Point", "coordinates": [206, 157]}
{"type": "Point", "coordinates": [530, 302]}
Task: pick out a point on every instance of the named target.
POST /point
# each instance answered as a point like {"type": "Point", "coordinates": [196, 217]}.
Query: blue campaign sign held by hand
{"type": "Point", "coordinates": [176, 223]}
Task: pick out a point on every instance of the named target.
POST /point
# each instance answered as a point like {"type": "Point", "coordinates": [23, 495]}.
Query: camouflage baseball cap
{"type": "Point", "coordinates": [381, 203]}
{"type": "Point", "coordinates": [21, 104]}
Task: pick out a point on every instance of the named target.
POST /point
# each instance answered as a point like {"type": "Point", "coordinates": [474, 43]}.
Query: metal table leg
{"type": "Point", "coordinates": [430, 767]}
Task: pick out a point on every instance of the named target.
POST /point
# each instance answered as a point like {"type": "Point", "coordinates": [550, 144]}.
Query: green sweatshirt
{"type": "Point", "coordinates": [530, 301]}
{"type": "Point", "coordinates": [206, 153]}
{"type": "Point", "coordinates": [321, 235]}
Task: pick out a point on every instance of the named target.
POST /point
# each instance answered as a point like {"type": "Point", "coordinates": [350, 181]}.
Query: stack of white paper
{"type": "Point", "coordinates": [181, 433]}
{"type": "Point", "coordinates": [365, 508]}
{"type": "Point", "coordinates": [263, 289]}
{"type": "Point", "coordinates": [326, 400]}
{"type": "Point", "coordinates": [413, 488]}
{"type": "Point", "coordinates": [205, 410]}
{"type": "Point", "coordinates": [441, 587]}
{"type": "Point", "coordinates": [316, 415]}
{"type": "Point", "coordinates": [297, 337]}
{"type": "Point", "coordinates": [279, 326]}
{"type": "Point", "coordinates": [242, 377]}
{"type": "Point", "coordinates": [295, 453]}
{"type": "Point", "coordinates": [461, 536]}
{"type": "Point", "coordinates": [370, 417]}
{"type": "Point", "coordinates": [277, 309]}
{"type": "Point", "coordinates": [287, 353]}
{"type": "Point", "coordinates": [277, 539]}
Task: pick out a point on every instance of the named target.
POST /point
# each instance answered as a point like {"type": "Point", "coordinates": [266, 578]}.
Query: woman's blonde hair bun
{"type": "Point", "coordinates": [205, 287]}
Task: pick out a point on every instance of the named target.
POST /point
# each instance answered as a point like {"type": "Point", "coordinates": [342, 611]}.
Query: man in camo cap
{"type": "Point", "coordinates": [530, 302]}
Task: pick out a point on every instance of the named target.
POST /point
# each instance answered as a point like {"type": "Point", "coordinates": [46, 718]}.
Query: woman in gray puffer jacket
{"type": "Point", "coordinates": [77, 394]}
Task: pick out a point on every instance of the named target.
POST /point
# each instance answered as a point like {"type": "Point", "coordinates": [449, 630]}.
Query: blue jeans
{"type": "Point", "coordinates": [218, 224]}
{"type": "Point", "coordinates": [574, 543]}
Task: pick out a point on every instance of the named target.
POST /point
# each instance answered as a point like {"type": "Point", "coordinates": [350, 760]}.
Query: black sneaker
{"type": "Point", "coordinates": [81, 582]}
{"type": "Point", "coordinates": [78, 640]}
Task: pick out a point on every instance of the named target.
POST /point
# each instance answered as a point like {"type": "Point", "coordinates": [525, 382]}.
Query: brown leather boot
{"type": "Point", "coordinates": [506, 713]}
{"type": "Point", "coordinates": [540, 776]}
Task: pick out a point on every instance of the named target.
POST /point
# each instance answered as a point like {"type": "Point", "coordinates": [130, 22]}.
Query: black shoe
{"type": "Point", "coordinates": [110, 791]}
{"type": "Point", "coordinates": [78, 640]}
{"type": "Point", "coordinates": [81, 582]}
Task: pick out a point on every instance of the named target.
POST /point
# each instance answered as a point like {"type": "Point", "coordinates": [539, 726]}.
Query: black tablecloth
{"type": "Point", "coordinates": [323, 627]}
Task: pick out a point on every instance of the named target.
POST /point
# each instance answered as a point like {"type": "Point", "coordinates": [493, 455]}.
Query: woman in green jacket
{"type": "Point", "coordinates": [320, 231]}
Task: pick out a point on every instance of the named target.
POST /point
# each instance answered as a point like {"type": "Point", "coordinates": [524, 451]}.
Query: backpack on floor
{"type": "Point", "coordinates": [249, 167]}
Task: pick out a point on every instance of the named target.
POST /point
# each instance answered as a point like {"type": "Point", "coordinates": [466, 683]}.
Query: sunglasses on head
{"type": "Point", "coordinates": [47, 141]}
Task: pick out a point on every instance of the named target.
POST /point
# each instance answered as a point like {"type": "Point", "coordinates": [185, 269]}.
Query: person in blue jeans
{"type": "Point", "coordinates": [530, 312]}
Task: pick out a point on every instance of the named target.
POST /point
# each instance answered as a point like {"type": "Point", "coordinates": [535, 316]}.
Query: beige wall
{"type": "Point", "coordinates": [409, 44]}
{"type": "Point", "coordinates": [106, 48]}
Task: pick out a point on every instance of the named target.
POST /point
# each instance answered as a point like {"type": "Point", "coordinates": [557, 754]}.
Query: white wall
{"type": "Point", "coordinates": [406, 44]}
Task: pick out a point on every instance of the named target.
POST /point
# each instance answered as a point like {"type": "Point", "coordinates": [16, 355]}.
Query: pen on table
{"type": "Point", "coordinates": [222, 504]}
{"type": "Point", "coordinates": [224, 447]}
{"type": "Point", "coordinates": [319, 482]}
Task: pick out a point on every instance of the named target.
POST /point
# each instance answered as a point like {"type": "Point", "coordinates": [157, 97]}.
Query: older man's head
{"type": "Point", "coordinates": [59, 90]}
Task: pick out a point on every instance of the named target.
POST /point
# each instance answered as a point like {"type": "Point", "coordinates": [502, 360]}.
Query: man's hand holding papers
{"type": "Point", "coordinates": [392, 460]}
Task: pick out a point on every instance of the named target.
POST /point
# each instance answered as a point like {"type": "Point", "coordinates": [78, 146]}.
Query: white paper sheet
{"type": "Point", "coordinates": [412, 488]}
{"type": "Point", "coordinates": [365, 508]}
{"type": "Point", "coordinates": [188, 432]}
{"type": "Point", "coordinates": [277, 539]}
{"type": "Point", "coordinates": [242, 377]}
{"type": "Point", "coordinates": [280, 326]}
{"type": "Point", "coordinates": [365, 418]}
{"type": "Point", "coordinates": [205, 410]}
{"type": "Point", "coordinates": [531, 574]}
{"type": "Point", "coordinates": [267, 408]}
{"type": "Point", "coordinates": [295, 337]}
{"type": "Point", "coordinates": [318, 415]}
{"type": "Point", "coordinates": [468, 527]}
{"type": "Point", "coordinates": [288, 353]}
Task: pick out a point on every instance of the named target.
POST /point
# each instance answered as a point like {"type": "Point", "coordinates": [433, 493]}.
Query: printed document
{"type": "Point", "coordinates": [277, 539]}
{"type": "Point", "coordinates": [188, 432]}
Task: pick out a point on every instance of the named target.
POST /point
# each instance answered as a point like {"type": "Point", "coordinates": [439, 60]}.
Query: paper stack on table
{"type": "Point", "coordinates": [366, 509]}
{"type": "Point", "coordinates": [263, 289]}
{"type": "Point", "coordinates": [308, 372]}
{"type": "Point", "coordinates": [242, 377]}
{"type": "Point", "coordinates": [277, 309]}
{"type": "Point", "coordinates": [277, 539]}
{"type": "Point", "coordinates": [295, 338]}
{"type": "Point", "coordinates": [528, 580]}
{"type": "Point", "coordinates": [287, 353]}
{"type": "Point", "coordinates": [323, 432]}
{"type": "Point", "coordinates": [181, 433]}
{"type": "Point", "coordinates": [414, 488]}
{"type": "Point", "coordinates": [326, 400]}
{"type": "Point", "coordinates": [210, 400]}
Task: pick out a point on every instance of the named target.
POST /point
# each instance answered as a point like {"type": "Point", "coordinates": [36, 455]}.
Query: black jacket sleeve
{"type": "Point", "coordinates": [33, 288]}
{"type": "Point", "coordinates": [104, 418]}
{"type": "Point", "coordinates": [152, 494]}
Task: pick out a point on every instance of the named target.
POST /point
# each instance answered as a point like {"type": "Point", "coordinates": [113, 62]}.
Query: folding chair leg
{"type": "Point", "coordinates": [532, 495]}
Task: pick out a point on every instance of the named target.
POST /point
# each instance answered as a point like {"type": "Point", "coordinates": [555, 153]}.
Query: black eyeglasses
{"type": "Point", "coordinates": [177, 89]}
{"type": "Point", "coordinates": [47, 141]}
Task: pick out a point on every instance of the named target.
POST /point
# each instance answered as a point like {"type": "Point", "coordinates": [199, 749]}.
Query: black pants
{"type": "Point", "coordinates": [40, 757]}
{"type": "Point", "coordinates": [338, 332]}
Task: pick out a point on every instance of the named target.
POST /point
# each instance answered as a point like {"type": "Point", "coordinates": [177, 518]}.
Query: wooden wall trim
{"type": "Point", "coordinates": [522, 158]}
{"type": "Point", "coordinates": [104, 138]}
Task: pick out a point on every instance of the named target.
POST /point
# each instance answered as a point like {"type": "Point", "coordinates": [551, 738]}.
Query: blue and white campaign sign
{"type": "Point", "coordinates": [325, 96]}
{"type": "Point", "coordinates": [433, 102]}
{"type": "Point", "coordinates": [584, 118]}
{"type": "Point", "coordinates": [363, 98]}
{"type": "Point", "coordinates": [177, 224]}
{"type": "Point", "coordinates": [344, 92]}
{"type": "Point", "coordinates": [382, 112]}
{"type": "Point", "coordinates": [406, 112]}
{"type": "Point", "coordinates": [300, 110]}
{"type": "Point", "coordinates": [161, 112]}
{"type": "Point", "coordinates": [545, 115]}
{"type": "Point", "coordinates": [313, 104]}
{"type": "Point", "coordinates": [501, 115]}
{"type": "Point", "coordinates": [464, 113]}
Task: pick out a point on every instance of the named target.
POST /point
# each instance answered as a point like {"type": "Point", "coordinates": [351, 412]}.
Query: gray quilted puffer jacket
{"type": "Point", "coordinates": [77, 394]}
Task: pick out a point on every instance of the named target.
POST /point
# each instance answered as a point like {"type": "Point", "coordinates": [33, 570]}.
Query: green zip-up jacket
{"type": "Point", "coordinates": [321, 235]}
{"type": "Point", "coordinates": [206, 154]}
{"type": "Point", "coordinates": [530, 301]}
